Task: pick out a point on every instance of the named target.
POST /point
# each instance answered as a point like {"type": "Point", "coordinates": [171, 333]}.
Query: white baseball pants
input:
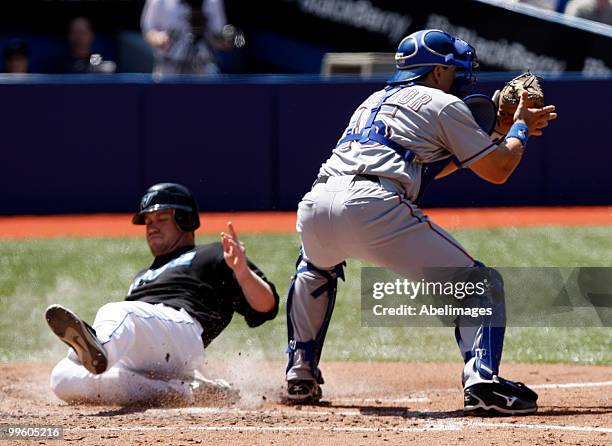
{"type": "Point", "coordinates": [152, 351]}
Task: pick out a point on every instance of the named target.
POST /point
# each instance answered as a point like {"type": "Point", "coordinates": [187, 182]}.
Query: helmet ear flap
{"type": "Point", "coordinates": [187, 221]}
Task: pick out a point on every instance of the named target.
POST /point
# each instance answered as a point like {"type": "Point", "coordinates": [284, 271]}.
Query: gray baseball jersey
{"type": "Point", "coordinates": [433, 124]}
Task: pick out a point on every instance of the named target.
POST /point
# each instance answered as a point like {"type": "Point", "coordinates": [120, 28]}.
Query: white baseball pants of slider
{"type": "Point", "coordinates": [152, 352]}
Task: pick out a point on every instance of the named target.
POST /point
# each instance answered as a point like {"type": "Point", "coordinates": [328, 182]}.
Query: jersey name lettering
{"type": "Point", "coordinates": [413, 98]}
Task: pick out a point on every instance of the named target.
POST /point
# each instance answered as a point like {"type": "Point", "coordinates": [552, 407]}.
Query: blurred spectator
{"type": "Point", "coordinates": [16, 57]}
{"type": "Point", "coordinates": [80, 58]}
{"type": "Point", "coordinates": [596, 10]}
{"type": "Point", "coordinates": [184, 34]}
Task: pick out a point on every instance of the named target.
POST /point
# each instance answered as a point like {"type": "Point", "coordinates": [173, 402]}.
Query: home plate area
{"type": "Point", "coordinates": [363, 403]}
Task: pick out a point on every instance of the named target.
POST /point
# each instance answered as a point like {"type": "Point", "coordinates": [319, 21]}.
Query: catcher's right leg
{"type": "Point", "coordinates": [312, 293]}
{"type": "Point", "coordinates": [310, 304]}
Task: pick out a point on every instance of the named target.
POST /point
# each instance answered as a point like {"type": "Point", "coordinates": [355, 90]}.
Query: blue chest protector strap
{"type": "Point", "coordinates": [376, 131]}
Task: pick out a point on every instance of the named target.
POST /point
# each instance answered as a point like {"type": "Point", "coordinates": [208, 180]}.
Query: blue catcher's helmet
{"type": "Point", "coordinates": [421, 51]}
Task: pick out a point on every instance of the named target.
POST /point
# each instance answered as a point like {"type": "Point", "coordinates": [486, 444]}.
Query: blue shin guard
{"type": "Point", "coordinates": [484, 339]}
{"type": "Point", "coordinates": [310, 303]}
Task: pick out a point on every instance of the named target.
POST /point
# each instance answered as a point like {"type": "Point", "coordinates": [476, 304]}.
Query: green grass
{"type": "Point", "coordinates": [83, 274]}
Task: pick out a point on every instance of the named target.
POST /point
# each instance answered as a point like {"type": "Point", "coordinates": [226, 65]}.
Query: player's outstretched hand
{"type": "Point", "coordinates": [535, 118]}
{"type": "Point", "coordinates": [234, 251]}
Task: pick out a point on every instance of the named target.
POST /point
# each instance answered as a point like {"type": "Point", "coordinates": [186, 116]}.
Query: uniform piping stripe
{"type": "Point", "coordinates": [450, 241]}
{"type": "Point", "coordinates": [110, 336]}
{"type": "Point", "coordinates": [434, 229]}
{"type": "Point", "coordinates": [467, 160]}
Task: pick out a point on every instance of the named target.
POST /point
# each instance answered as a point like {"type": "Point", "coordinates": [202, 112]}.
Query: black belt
{"type": "Point", "coordinates": [360, 177]}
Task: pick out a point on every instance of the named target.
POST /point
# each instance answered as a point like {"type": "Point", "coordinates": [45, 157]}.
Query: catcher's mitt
{"type": "Point", "coordinates": [508, 98]}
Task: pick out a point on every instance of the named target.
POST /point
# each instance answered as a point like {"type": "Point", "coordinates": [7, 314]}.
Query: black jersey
{"type": "Point", "coordinates": [198, 280]}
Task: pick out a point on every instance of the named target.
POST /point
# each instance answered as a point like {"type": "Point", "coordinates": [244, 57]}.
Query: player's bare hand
{"type": "Point", "coordinates": [535, 118]}
{"type": "Point", "coordinates": [234, 251]}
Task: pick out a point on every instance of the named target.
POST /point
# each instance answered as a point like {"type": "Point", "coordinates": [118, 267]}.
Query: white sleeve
{"type": "Point", "coordinates": [214, 10]}
{"type": "Point", "coordinates": [462, 136]}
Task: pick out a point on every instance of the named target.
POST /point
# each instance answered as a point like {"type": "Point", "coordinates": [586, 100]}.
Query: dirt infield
{"type": "Point", "coordinates": [113, 225]}
{"type": "Point", "coordinates": [365, 403]}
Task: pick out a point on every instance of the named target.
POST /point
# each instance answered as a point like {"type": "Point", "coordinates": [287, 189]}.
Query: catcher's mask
{"type": "Point", "coordinates": [170, 196]}
{"type": "Point", "coordinates": [421, 51]}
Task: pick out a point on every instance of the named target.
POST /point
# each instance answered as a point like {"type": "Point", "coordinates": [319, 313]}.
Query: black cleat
{"type": "Point", "coordinates": [79, 336]}
{"type": "Point", "coordinates": [500, 397]}
{"type": "Point", "coordinates": [303, 391]}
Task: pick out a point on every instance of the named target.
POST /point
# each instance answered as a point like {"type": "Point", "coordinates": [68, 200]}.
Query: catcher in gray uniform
{"type": "Point", "coordinates": [364, 204]}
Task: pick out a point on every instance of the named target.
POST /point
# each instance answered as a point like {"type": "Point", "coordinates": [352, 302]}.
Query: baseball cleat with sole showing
{"type": "Point", "coordinates": [79, 336]}
{"type": "Point", "coordinates": [303, 391]}
{"type": "Point", "coordinates": [500, 397]}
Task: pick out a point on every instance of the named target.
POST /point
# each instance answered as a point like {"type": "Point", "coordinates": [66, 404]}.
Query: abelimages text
{"type": "Point", "coordinates": [431, 310]}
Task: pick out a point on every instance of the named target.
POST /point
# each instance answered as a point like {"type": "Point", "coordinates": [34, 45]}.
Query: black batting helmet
{"type": "Point", "coordinates": [170, 196]}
